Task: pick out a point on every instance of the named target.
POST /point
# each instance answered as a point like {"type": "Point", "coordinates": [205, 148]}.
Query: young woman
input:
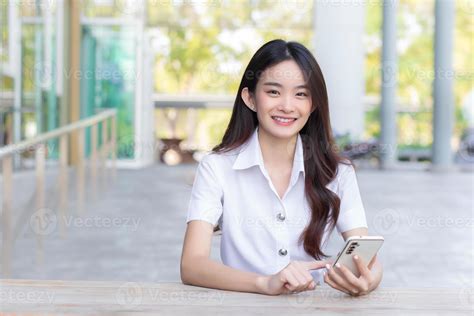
{"type": "Point", "coordinates": [276, 187]}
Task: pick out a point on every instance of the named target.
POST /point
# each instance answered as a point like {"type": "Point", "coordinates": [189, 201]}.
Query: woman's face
{"type": "Point", "coordinates": [282, 100]}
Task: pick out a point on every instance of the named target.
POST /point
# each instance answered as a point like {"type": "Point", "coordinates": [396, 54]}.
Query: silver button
{"type": "Point", "coordinates": [281, 217]}
{"type": "Point", "coordinates": [282, 252]}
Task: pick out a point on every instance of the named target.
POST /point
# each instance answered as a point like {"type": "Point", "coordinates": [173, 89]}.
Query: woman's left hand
{"type": "Point", "coordinates": [347, 282]}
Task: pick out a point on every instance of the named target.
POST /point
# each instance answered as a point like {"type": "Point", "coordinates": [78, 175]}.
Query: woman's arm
{"type": "Point", "coordinates": [198, 269]}
{"type": "Point", "coordinates": [370, 278]}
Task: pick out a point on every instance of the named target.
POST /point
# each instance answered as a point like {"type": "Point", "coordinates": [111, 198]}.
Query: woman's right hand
{"type": "Point", "coordinates": [294, 278]}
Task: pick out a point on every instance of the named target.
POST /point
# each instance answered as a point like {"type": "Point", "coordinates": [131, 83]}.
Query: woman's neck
{"type": "Point", "coordinates": [277, 152]}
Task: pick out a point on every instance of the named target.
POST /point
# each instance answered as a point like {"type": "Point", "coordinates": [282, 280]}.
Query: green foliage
{"type": "Point", "coordinates": [202, 47]}
{"type": "Point", "coordinates": [415, 45]}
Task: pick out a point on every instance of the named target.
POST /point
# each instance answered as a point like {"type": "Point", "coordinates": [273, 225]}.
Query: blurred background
{"type": "Point", "coordinates": [106, 106]}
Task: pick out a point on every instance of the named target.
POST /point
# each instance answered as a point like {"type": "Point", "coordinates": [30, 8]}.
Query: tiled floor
{"type": "Point", "coordinates": [134, 231]}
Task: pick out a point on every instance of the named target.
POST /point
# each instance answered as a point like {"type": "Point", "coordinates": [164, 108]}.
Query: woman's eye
{"type": "Point", "coordinates": [302, 94]}
{"type": "Point", "coordinates": [272, 92]}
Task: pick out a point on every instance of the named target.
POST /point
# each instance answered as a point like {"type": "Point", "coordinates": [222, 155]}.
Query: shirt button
{"type": "Point", "coordinates": [282, 252]}
{"type": "Point", "coordinates": [281, 217]}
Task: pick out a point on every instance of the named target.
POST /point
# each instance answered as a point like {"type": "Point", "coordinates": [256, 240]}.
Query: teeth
{"type": "Point", "coordinates": [283, 120]}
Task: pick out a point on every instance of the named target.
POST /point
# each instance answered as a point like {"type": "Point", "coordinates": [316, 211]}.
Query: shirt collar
{"type": "Point", "coordinates": [250, 155]}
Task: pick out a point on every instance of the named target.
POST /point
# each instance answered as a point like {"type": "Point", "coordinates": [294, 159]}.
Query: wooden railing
{"type": "Point", "coordinates": [98, 159]}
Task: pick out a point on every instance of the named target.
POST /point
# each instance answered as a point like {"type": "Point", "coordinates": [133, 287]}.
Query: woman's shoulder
{"type": "Point", "coordinates": [218, 161]}
{"type": "Point", "coordinates": [344, 168]}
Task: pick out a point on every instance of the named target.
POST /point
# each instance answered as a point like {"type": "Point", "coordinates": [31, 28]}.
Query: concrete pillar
{"type": "Point", "coordinates": [339, 50]}
{"type": "Point", "coordinates": [388, 110]}
{"type": "Point", "coordinates": [443, 112]}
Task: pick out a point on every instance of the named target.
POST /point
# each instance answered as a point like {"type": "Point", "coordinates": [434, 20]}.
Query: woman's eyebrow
{"type": "Point", "coordinates": [303, 86]}
{"type": "Point", "coordinates": [272, 84]}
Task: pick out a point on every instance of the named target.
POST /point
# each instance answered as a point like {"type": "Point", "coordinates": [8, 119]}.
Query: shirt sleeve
{"type": "Point", "coordinates": [206, 195]}
{"type": "Point", "coordinates": [351, 211]}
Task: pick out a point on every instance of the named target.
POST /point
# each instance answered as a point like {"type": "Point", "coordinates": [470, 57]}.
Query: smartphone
{"type": "Point", "coordinates": [366, 247]}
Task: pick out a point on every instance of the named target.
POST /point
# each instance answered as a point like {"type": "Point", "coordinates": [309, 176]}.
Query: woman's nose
{"type": "Point", "coordinates": [286, 103]}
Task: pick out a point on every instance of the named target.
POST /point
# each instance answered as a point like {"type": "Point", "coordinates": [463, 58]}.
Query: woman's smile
{"type": "Point", "coordinates": [283, 121]}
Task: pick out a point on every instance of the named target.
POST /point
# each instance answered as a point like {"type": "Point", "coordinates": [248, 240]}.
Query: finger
{"type": "Point", "coordinates": [334, 285]}
{"type": "Point", "coordinates": [308, 278]}
{"type": "Point", "coordinates": [291, 282]}
{"type": "Point", "coordinates": [302, 269]}
{"type": "Point", "coordinates": [311, 286]}
{"type": "Point", "coordinates": [361, 266]}
{"type": "Point", "coordinates": [372, 262]}
{"type": "Point", "coordinates": [303, 283]}
{"type": "Point", "coordinates": [313, 265]}
{"type": "Point", "coordinates": [334, 276]}
{"type": "Point", "coordinates": [352, 279]}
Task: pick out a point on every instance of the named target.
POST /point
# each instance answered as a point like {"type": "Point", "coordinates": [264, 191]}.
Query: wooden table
{"type": "Point", "coordinates": [39, 297]}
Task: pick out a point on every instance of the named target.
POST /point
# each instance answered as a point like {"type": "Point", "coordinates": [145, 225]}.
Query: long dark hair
{"type": "Point", "coordinates": [320, 155]}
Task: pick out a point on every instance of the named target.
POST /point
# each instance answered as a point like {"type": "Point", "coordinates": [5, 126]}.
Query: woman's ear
{"type": "Point", "coordinates": [248, 99]}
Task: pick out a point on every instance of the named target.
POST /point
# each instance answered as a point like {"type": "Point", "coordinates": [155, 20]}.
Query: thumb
{"type": "Point", "coordinates": [314, 265]}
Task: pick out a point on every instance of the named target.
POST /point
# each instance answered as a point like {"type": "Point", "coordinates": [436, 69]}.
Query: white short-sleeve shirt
{"type": "Point", "coordinates": [260, 230]}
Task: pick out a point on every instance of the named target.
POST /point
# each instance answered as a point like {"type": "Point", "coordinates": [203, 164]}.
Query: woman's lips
{"type": "Point", "coordinates": [283, 121]}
